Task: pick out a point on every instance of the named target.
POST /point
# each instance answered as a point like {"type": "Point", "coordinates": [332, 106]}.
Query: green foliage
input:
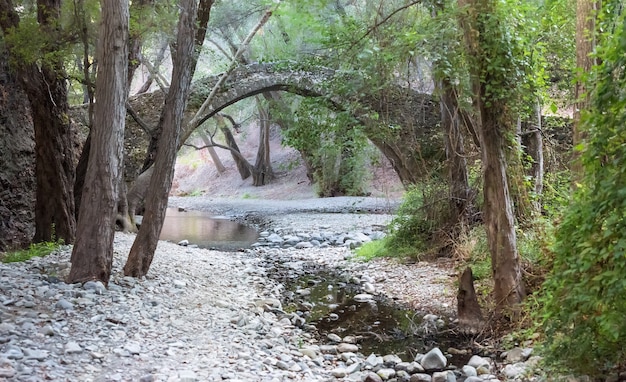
{"type": "Point", "coordinates": [373, 249]}
{"type": "Point", "coordinates": [584, 296]}
{"type": "Point", "coordinates": [424, 211]}
{"type": "Point", "coordinates": [334, 146]}
{"type": "Point", "coordinates": [35, 250]}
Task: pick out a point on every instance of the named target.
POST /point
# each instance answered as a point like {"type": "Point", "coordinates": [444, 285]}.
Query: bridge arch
{"type": "Point", "coordinates": [405, 119]}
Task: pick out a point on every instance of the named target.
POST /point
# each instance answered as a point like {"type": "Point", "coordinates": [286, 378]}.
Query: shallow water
{"type": "Point", "coordinates": [206, 230]}
{"type": "Point", "coordinates": [381, 325]}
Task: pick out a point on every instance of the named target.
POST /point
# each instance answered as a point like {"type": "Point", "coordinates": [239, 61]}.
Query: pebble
{"type": "Point", "coordinates": [199, 315]}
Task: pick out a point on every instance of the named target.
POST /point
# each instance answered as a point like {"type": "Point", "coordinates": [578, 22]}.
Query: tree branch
{"type": "Point", "coordinates": [144, 126]}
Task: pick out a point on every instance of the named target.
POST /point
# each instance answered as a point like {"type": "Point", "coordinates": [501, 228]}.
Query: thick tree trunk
{"type": "Point", "coordinates": [46, 89]}
{"type": "Point", "coordinates": [92, 255]}
{"type": "Point", "coordinates": [17, 172]}
{"type": "Point", "coordinates": [498, 214]}
{"type": "Point", "coordinates": [142, 251]}
{"type": "Point", "coordinates": [495, 123]}
{"type": "Point", "coordinates": [468, 309]}
{"type": "Point", "coordinates": [263, 173]}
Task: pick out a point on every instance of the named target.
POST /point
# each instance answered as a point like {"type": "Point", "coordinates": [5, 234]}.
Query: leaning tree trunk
{"type": "Point", "coordinates": [243, 166]}
{"type": "Point", "coordinates": [46, 88]}
{"type": "Point", "coordinates": [142, 251]}
{"type": "Point", "coordinates": [219, 166]}
{"type": "Point", "coordinates": [92, 255]}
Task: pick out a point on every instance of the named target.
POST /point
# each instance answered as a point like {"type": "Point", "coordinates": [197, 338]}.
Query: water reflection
{"type": "Point", "coordinates": [206, 230]}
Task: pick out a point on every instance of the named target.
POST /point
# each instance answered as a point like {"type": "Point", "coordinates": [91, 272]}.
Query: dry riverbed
{"type": "Point", "coordinates": [203, 315]}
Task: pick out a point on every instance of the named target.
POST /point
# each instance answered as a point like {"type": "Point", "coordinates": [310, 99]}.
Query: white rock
{"type": "Point", "coordinates": [72, 348]}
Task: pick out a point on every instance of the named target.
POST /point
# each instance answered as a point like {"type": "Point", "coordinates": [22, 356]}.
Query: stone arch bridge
{"type": "Point", "coordinates": [401, 122]}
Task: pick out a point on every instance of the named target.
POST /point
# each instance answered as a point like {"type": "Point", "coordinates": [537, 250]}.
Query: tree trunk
{"type": "Point", "coordinates": [92, 255]}
{"type": "Point", "coordinates": [135, 40]}
{"type": "Point", "coordinates": [495, 122]}
{"type": "Point", "coordinates": [243, 166]}
{"type": "Point", "coordinates": [586, 13]}
{"type": "Point", "coordinates": [46, 88]}
{"type": "Point", "coordinates": [157, 63]}
{"type": "Point", "coordinates": [533, 141]}
{"type": "Point", "coordinates": [468, 309]}
{"type": "Point", "coordinates": [219, 166]}
{"type": "Point", "coordinates": [142, 251]}
{"type": "Point", "coordinates": [202, 16]}
{"type": "Point", "coordinates": [81, 173]}
{"type": "Point", "coordinates": [17, 173]}
{"type": "Point", "coordinates": [263, 173]}
{"type": "Point", "coordinates": [498, 213]}
{"type": "Point", "coordinates": [455, 153]}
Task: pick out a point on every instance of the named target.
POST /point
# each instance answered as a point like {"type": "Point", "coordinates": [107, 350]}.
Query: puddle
{"type": "Point", "coordinates": [382, 326]}
{"type": "Point", "coordinates": [206, 230]}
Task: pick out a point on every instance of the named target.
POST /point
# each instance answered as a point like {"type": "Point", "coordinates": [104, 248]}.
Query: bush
{"type": "Point", "coordinates": [422, 214]}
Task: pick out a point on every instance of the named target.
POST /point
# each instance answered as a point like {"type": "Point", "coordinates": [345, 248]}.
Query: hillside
{"type": "Point", "coordinates": [196, 174]}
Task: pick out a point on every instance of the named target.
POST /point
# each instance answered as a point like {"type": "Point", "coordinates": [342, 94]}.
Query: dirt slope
{"type": "Point", "coordinates": [196, 174]}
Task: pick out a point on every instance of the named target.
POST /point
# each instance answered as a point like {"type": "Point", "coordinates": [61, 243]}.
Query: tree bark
{"type": "Point", "coordinates": [495, 121]}
{"type": "Point", "coordinates": [243, 166]}
{"type": "Point", "coordinates": [46, 89]}
{"type": "Point", "coordinates": [92, 255]}
{"type": "Point", "coordinates": [498, 213]}
{"type": "Point", "coordinates": [219, 166]}
{"type": "Point", "coordinates": [263, 173]}
{"type": "Point", "coordinates": [468, 309]}
{"type": "Point", "coordinates": [142, 251]}
{"type": "Point", "coordinates": [455, 153]}
{"type": "Point", "coordinates": [135, 40]}
{"type": "Point", "coordinates": [586, 13]}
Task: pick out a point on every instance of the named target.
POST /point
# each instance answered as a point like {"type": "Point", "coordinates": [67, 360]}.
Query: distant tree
{"type": "Point", "coordinates": [92, 255]}
{"type": "Point", "coordinates": [38, 64]}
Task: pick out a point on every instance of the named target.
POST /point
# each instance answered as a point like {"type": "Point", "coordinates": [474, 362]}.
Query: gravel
{"type": "Point", "coordinates": [199, 315]}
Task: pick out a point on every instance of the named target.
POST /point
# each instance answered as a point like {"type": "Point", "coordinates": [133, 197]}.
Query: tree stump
{"type": "Point", "coordinates": [468, 310]}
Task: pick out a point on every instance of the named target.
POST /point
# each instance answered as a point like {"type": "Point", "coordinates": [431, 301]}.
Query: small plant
{"type": "Point", "coordinates": [35, 250]}
{"type": "Point", "coordinates": [376, 248]}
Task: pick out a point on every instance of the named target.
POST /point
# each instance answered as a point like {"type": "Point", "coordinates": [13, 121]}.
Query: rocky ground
{"type": "Point", "coordinates": [204, 315]}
